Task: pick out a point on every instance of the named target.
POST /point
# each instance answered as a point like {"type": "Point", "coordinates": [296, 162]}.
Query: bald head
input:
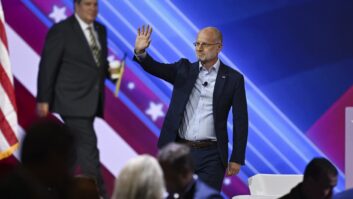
{"type": "Point", "coordinates": [213, 33]}
{"type": "Point", "coordinates": [208, 45]}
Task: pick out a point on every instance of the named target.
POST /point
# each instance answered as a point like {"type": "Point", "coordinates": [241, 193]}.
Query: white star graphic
{"type": "Point", "coordinates": [131, 85]}
{"type": "Point", "coordinates": [227, 181]}
{"type": "Point", "coordinates": [111, 58]}
{"type": "Point", "coordinates": [155, 111]}
{"type": "Point", "coordinates": [58, 14]}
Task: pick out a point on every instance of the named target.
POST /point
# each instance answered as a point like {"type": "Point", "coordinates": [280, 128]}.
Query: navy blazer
{"type": "Point", "coordinates": [200, 190]}
{"type": "Point", "coordinates": [229, 92]}
{"type": "Point", "coordinates": [69, 78]}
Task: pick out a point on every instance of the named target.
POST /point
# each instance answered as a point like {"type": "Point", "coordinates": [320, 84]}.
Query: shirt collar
{"type": "Point", "coordinates": [214, 67]}
{"type": "Point", "coordinates": [83, 24]}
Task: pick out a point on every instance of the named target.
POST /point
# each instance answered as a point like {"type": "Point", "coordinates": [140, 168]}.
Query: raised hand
{"type": "Point", "coordinates": [143, 39]}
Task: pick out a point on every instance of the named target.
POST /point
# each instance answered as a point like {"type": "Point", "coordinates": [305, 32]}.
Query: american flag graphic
{"type": "Point", "coordinates": [9, 138]}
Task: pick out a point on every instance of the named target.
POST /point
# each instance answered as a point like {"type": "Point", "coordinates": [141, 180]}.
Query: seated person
{"type": "Point", "coordinates": [84, 187]}
{"type": "Point", "coordinates": [320, 177]}
{"type": "Point", "coordinates": [141, 177]}
{"type": "Point", "coordinates": [47, 157]}
{"type": "Point", "coordinates": [178, 167]}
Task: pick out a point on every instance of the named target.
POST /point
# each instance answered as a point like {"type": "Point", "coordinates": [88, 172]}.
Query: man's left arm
{"type": "Point", "coordinates": [240, 128]}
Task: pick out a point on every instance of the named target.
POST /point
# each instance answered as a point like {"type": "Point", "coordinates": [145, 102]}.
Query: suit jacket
{"type": "Point", "coordinates": [295, 193]}
{"type": "Point", "coordinates": [228, 92]}
{"type": "Point", "coordinates": [69, 78]}
{"type": "Point", "coordinates": [200, 190]}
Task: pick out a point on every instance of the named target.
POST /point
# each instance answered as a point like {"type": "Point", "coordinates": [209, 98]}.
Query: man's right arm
{"type": "Point", "coordinates": [143, 39]}
{"type": "Point", "coordinates": [164, 71]}
{"type": "Point", "coordinates": [48, 68]}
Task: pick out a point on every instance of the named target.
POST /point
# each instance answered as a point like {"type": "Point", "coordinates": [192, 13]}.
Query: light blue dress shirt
{"type": "Point", "coordinates": [198, 121]}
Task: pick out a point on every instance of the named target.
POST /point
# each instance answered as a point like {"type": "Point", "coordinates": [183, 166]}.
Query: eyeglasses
{"type": "Point", "coordinates": [204, 45]}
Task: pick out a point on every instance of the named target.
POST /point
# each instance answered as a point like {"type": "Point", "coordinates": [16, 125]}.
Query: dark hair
{"type": "Point", "coordinates": [176, 156]}
{"type": "Point", "coordinates": [319, 166]}
{"type": "Point", "coordinates": [77, 1]}
{"type": "Point", "coordinates": [47, 139]}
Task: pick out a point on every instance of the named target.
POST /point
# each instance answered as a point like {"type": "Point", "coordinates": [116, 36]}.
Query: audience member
{"type": "Point", "coordinates": [178, 167]}
{"type": "Point", "coordinates": [320, 177]}
{"type": "Point", "coordinates": [141, 177]}
{"type": "Point", "coordinates": [84, 187]}
{"type": "Point", "coordinates": [47, 160]}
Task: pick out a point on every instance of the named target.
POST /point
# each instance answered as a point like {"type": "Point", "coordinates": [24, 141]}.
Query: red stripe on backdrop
{"type": "Point", "coordinates": [130, 128]}
{"type": "Point", "coordinates": [7, 85]}
{"type": "Point", "coordinates": [26, 105]}
{"type": "Point", "coordinates": [26, 116]}
{"type": "Point", "coordinates": [7, 131]}
{"type": "Point", "coordinates": [3, 37]}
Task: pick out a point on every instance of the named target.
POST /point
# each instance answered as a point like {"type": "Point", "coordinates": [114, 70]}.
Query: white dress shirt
{"type": "Point", "coordinates": [84, 26]}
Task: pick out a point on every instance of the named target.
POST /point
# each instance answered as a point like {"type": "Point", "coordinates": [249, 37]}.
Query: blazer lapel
{"type": "Point", "coordinates": [82, 39]}
{"type": "Point", "coordinates": [220, 81]}
{"type": "Point", "coordinates": [194, 73]}
{"type": "Point", "coordinates": [101, 41]}
{"type": "Point", "coordinates": [195, 70]}
{"type": "Point", "coordinates": [100, 34]}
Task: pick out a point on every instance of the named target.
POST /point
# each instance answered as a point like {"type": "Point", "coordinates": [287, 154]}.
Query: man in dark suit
{"type": "Point", "coordinates": [320, 178]}
{"type": "Point", "coordinates": [203, 94]}
{"type": "Point", "coordinates": [177, 164]}
{"type": "Point", "coordinates": [47, 154]}
{"type": "Point", "coordinates": [71, 77]}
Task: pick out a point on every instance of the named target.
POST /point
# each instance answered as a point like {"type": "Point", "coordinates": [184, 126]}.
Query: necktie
{"type": "Point", "coordinates": [94, 47]}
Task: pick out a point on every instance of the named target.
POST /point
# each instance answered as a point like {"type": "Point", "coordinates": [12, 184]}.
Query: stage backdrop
{"type": "Point", "coordinates": [297, 57]}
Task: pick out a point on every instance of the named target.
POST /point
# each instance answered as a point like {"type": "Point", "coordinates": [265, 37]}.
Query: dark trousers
{"type": "Point", "coordinates": [87, 153]}
{"type": "Point", "coordinates": [208, 166]}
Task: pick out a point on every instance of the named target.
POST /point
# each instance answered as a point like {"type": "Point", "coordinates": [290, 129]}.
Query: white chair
{"type": "Point", "coordinates": [270, 186]}
{"type": "Point", "coordinates": [273, 184]}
